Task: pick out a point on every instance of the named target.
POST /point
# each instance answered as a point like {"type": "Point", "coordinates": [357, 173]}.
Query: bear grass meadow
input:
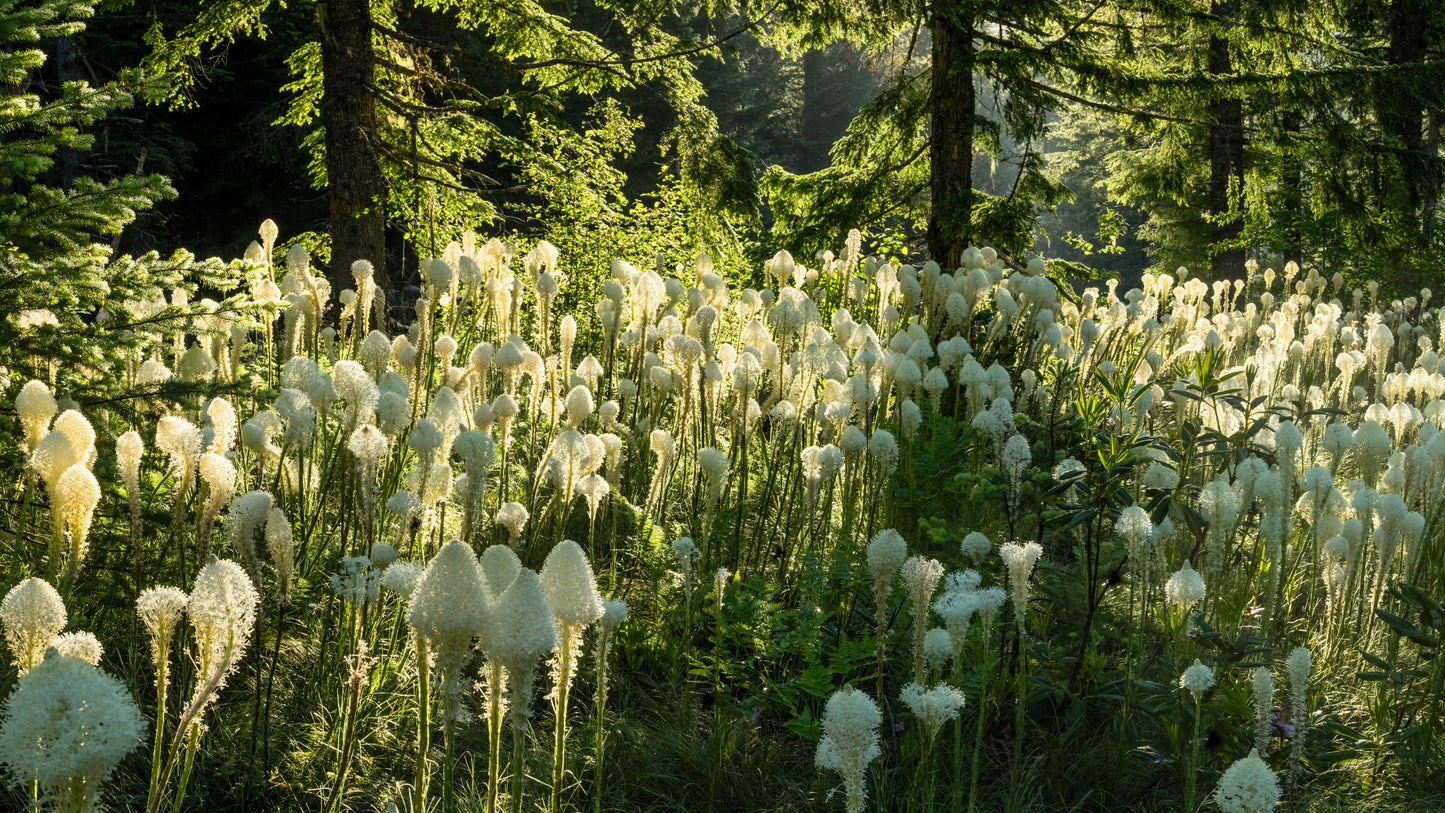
{"type": "Point", "coordinates": [866, 537]}
{"type": "Point", "coordinates": [639, 406]}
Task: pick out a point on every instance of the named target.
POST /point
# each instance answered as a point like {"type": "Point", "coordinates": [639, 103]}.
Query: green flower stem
{"type": "Point", "coordinates": [559, 743]}
{"type": "Point", "coordinates": [162, 678]}
{"type": "Point", "coordinates": [519, 765]}
{"type": "Point", "coordinates": [494, 732]}
{"type": "Point", "coordinates": [1190, 773]}
{"type": "Point", "coordinates": [423, 702]}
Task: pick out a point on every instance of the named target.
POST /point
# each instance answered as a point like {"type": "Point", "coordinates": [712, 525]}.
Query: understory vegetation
{"type": "Point", "coordinates": [832, 533]}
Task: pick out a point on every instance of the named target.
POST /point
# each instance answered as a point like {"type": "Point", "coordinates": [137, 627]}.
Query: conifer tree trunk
{"type": "Point", "coordinates": [67, 69]}
{"type": "Point", "coordinates": [1400, 110]}
{"type": "Point", "coordinates": [1294, 196]}
{"type": "Point", "coordinates": [1226, 153]}
{"type": "Point", "coordinates": [814, 67]}
{"type": "Point", "coordinates": [951, 133]}
{"type": "Point", "coordinates": [356, 186]}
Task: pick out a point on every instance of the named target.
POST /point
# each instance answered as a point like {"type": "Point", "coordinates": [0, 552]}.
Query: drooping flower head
{"type": "Point", "coordinates": [932, 707]}
{"type": "Point", "coordinates": [160, 610]}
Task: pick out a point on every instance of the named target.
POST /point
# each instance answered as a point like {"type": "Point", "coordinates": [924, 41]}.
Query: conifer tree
{"type": "Point", "coordinates": [70, 308]}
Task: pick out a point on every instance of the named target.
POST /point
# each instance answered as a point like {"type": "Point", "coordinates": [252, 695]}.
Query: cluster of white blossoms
{"type": "Point", "coordinates": [850, 740]}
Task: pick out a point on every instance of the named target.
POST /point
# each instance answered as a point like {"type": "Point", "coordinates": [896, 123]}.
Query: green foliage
{"type": "Point", "coordinates": [72, 310]}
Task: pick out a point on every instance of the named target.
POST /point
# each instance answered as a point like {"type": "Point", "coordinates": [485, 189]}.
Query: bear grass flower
{"type": "Point", "coordinates": [160, 610]}
{"type": "Point", "coordinates": [1247, 786]}
{"type": "Point", "coordinates": [449, 609]}
{"type": "Point", "coordinates": [35, 406]}
{"type": "Point", "coordinates": [921, 577]}
{"type": "Point", "coordinates": [402, 577]}
{"type": "Point", "coordinates": [65, 728]}
{"type": "Point", "coordinates": [571, 591]}
{"type": "Point", "coordinates": [850, 741]}
{"type": "Point", "coordinates": [932, 707]}
{"type": "Point", "coordinates": [1198, 679]}
{"type": "Point", "coordinates": [1185, 587]}
{"type": "Point", "coordinates": [975, 546]}
{"type": "Point", "coordinates": [33, 614]}
{"type": "Point", "coordinates": [82, 645]}
{"type": "Point", "coordinates": [222, 609]}
{"type": "Point", "coordinates": [1019, 560]}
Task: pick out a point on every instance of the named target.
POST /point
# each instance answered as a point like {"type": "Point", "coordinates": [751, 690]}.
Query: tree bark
{"type": "Point", "coordinates": [356, 187]}
{"type": "Point", "coordinates": [953, 103]}
{"type": "Point", "coordinates": [814, 69]}
{"type": "Point", "coordinates": [1226, 155]}
{"type": "Point", "coordinates": [67, 69]}
{"type": "Point", "coordinates": [1293, 201]}
{"type": "Point", "coordinates": [1401, 112]}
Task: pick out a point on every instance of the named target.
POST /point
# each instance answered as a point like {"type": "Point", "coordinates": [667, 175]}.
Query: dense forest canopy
{"type": "Point", "coordinates": [1158, 133]}
{"type": "Point", "coordinates": [1108, 137]}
